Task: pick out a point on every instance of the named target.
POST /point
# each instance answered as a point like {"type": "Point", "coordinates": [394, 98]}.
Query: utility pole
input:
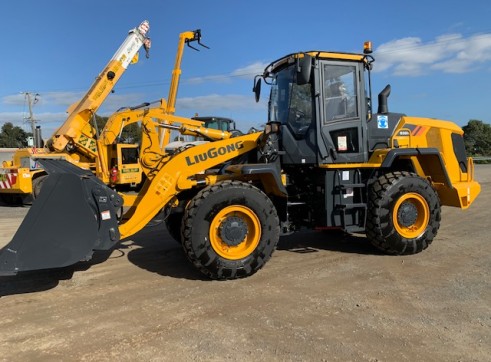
{"type": "Point", "coordinates": [36, 131]}
{"type": "Point", "coordinates": [30, 102]}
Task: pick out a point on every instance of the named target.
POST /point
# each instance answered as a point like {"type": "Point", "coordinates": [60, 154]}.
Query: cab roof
{"type": "Point", "coordinates": [318, 54]}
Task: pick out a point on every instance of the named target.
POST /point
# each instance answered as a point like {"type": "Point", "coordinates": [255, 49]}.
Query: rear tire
{"type": "Point", "coordinates": [403, 213]}
{"type": "Point", "coordinates": [230, 230]}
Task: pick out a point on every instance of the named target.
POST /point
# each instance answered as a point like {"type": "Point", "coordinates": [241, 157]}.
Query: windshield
{"type": "Point", "coordinates": [290, 103]}
{"type": "Point", "coordinates": [129, 155]}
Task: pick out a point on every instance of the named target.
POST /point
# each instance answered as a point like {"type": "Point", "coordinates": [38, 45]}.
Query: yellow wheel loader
{"type": "Point", "coordinates": [323, 161]}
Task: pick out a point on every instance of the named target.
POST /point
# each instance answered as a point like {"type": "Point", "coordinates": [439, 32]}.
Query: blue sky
{"type": "Point", "coordinates": [435, 55]}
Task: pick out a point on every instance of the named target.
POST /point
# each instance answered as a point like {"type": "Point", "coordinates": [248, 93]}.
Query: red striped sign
{"type": "Point", "coordinates": [7, 180]}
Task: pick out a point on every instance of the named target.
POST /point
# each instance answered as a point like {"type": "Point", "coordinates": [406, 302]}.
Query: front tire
{"type": "Point", "coordinates": [403, 213]}
{"type": "Point", "coordinates": [173, 223]}
{"type": "Point", "coordinates": [37, 184]}
{"type": "Point", "coordinates": [230, 230]}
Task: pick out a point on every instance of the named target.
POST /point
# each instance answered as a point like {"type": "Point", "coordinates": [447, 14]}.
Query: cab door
{"type": "Point", "coordinates": [342, 112]}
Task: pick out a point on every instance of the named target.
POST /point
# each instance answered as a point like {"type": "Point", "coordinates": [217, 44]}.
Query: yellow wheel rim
{"type": "Point", "coordinates": [235, 232]}
{"type": "Point", "coordinates": [411, 215]}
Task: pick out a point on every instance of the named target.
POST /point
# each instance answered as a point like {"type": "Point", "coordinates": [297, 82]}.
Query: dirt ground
{"type": "Point", "coordinates": [322, 297]}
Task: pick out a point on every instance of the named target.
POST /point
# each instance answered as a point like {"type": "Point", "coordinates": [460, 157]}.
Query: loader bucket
{"type": "Point", "coordinates": [74, 215]}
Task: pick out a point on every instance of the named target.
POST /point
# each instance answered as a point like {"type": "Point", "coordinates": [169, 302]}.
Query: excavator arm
{"type": "Point", "coordinates": [155, 135]}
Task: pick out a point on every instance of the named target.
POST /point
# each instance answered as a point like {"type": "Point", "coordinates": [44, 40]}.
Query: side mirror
{"type": "Point", "coordinates": [304, 68]}
{"type": "Point", "coordinates": [257, 87]}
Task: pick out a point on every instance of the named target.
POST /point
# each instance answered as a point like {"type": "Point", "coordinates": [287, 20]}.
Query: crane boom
{"type": "Point", "coordinates": [76, 130]}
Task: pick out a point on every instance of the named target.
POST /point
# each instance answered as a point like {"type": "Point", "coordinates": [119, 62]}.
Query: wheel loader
{"type": "Point", "coordinates": [324, 160]}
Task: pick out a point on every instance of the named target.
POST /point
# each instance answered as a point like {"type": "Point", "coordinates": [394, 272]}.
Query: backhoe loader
{"type": "Point", "coordinates": [324, 160]}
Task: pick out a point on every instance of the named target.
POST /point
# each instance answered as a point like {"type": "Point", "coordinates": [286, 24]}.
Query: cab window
{"type": "Point", "coordinates": [129, 155]}
{"type": "Point", "coordinates": [340, 92]}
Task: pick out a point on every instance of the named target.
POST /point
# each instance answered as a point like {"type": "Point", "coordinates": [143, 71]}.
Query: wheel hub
{"type": "Point", "coordinates": [407, 214]}
{"type": "Point", "coordinates": [233, 231]}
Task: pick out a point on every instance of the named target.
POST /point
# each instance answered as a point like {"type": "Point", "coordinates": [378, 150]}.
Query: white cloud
{"type": "Point", "coordinates": [47, 120]}
{"type": "Point", "coordinates": [205, 79]}
{"type": "Point", "coordinates": [449, 53]}
{"type": "Point", "coordinates": [215, 102]}
{"type": "Point", "coordinates": [14, 100]}
{"type": "Point", "coordinates": [246, 72]}
{"type": "Point", "coordinates": [250, 71]}
{"type": "Point", "coordinates": [64, 99]}
{"type": "Point", "coordinates": [48, 98]}
{"type": "Point", "coordinates": [18, 118]}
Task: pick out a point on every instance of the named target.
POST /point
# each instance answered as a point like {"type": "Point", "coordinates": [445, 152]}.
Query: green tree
{"type": "Point", "coordinates": [13, 136]}
{"type": "Point", "coordinates": [131, 134]}
{"type": "Point", "coordinates": [101, 122]}
{"type": "Point", "coordinates": [477, 138]}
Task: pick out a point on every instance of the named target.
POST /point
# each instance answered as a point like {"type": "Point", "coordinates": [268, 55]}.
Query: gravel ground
{"type": "Point", "coordinates": [322, 297]}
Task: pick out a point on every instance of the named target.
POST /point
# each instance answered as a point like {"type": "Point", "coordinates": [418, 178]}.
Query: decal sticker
{"type": "Point", "coordinates": [382, 122]}
{"type": "Point", "coordinates": [342, 143]}
{"type": "Point", "coordinates": [403, 133]}
{"type": "Point", "coordinates": [105, 215]}
{"type": "Point", "coordinates": [130, 170]}
{"type": "Point", "coordinates": [34, 165]}
{"type": "Point", "coordinates": [419, 131]}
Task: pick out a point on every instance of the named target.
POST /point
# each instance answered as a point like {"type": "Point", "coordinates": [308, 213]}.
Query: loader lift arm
{"type": "Point", "coordinates": [179, 174]}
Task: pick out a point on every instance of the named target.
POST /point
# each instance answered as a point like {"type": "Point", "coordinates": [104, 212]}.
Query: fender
{"type": "Point", "coordinates": [429, 159]}
{"type": "Point", "coordinates": [263, 169]}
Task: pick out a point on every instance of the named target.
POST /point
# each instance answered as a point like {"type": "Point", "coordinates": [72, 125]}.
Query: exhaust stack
{"type": "Point", "coordinates": [383, 107]}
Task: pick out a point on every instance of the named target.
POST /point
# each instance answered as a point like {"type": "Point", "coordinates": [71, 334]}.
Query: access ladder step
{"type": "Point", "coordinates": [352, 206]}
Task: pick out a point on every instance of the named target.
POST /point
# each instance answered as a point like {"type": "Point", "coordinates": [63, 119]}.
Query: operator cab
{"type": "Point", "coordinates": [319, 99]}
{"type": "Point", "coordinates": [220, 123]}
